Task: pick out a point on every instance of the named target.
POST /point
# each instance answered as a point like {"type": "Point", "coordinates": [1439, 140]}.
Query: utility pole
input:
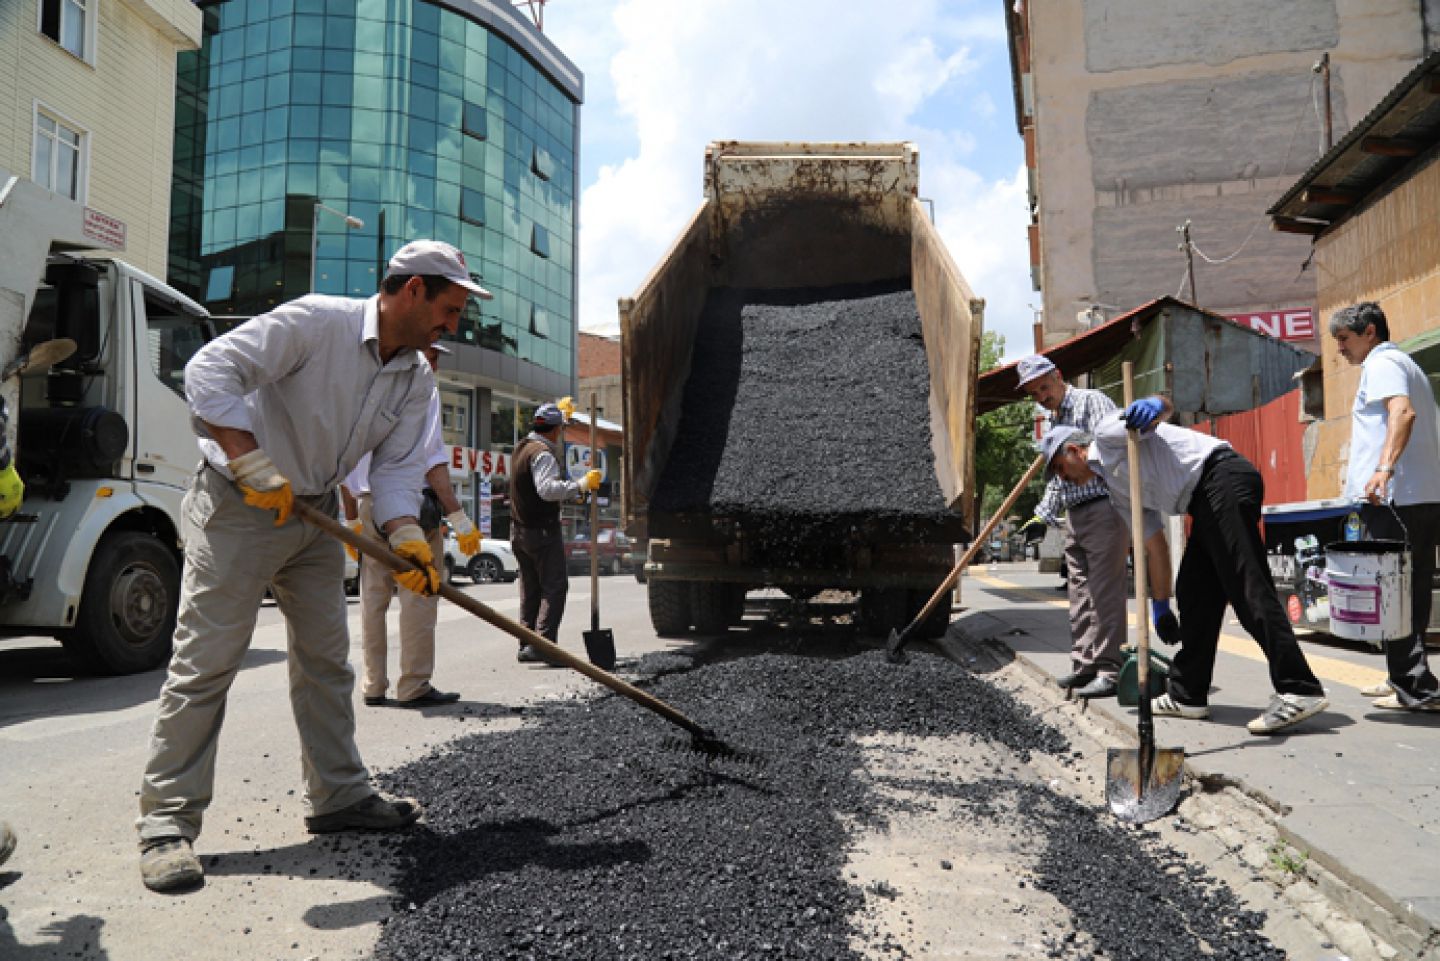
{"type": "Point", "coordinates": [1185, 245]}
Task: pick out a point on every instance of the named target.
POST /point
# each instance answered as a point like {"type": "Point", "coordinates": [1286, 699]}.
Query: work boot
{"type": "Point", "coordinates": [527, 654]}
{"type": "Point", "coordinates": [170, 864]}
{"type": "Point", "coordinates": [374, 813]}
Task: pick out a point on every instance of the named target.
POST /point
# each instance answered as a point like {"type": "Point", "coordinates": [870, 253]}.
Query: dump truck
{"type": "Point", "coordinates": [100, 432]}
{"type": "Point", "coordinates": [789, 224]}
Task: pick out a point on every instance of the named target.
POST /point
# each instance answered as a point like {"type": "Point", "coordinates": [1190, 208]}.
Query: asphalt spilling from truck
{"type": "Point", "coordinates": [592, 832]}
{"type": "Point", "coordinates": [806, 415]}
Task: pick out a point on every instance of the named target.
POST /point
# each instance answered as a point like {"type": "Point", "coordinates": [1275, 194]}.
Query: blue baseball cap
{"type": "Point", "coordinates": [548, 415]}
{"type": "Point", "coordinates": [1053, 442]}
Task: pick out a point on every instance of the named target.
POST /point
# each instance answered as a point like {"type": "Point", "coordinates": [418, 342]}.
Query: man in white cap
{"type": "Point", "coordinates": [285, 405]}
{"type": "Point", "coordinates": [417, 611]}
{"type": "Point", "coordinates": [1097, 542]}
{"type": "Point", "coordinates": [537, 489]}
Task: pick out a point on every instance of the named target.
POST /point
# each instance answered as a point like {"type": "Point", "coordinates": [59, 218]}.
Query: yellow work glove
{"type": "Point", "coordinates": [465, 533]}
{"type": "Point", "coordinates": [358, 528]}
{"type": "Point", "coordinates": [263, 486]}
{"type": "Point", "coordinates": [567, 407]}
{"type": "Point", "coordinates": [408, 540]}
{"type": "Point", "coordinates": [12, 491]}
{"type": "Point", "coordinates": [591, 481]}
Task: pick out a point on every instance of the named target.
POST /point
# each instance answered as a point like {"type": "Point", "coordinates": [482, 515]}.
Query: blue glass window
{"type": "Point", "coordinates": [475, 123]}
{"type": "Point", "coordinates": [472, 205]}
{"type": "Point", "coordinates": [540, 240]}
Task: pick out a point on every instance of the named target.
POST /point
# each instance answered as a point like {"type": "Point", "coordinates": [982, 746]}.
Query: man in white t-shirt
{"type": "Point", "coordinates": [1395, 457]}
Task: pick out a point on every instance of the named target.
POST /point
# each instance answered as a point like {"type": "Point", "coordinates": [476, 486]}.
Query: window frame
{"type": "Point", "coordinates": [89, 9]}
{"type": "Point", "coordinates": [82, 152]}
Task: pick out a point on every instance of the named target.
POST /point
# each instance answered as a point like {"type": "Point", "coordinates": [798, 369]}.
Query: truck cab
{"type": "Point", "coordinates": [102, 437]}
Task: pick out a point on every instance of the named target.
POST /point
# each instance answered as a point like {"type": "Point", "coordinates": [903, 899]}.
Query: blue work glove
{"type": "Point", "coordinates": [1142, 413]}
{"type": "Point", "coordinates": [1167, 626]}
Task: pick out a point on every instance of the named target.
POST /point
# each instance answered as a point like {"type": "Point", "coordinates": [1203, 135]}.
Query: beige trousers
{"type": "Point", "coordinates": [232, 552]}
{"type": "Point", "coordinates": [417, 622]}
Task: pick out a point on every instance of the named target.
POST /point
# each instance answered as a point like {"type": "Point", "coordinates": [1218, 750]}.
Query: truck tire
{"type": "Point", "coordinates": [883, 609]}
{"type": "Point", "coordinates": [669, 607]}
{"type": "Point", "coordinates": [127, 608]}
{"type": "Point", "coordinates": [735, 604]}
{"type": "Point", "coordinates": [710, 607]}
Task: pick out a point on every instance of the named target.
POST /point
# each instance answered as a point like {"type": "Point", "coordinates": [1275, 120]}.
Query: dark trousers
{"type": "Point", "coordinates": [1224, 563]}
{"type": "Point", "coordinates": [1405, 659]}
{"type": "Point", "coordinates": [544, 581]}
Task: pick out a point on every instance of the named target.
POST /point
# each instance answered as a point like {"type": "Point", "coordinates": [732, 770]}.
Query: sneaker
{"type": "Point", "coordinates": [1074, 679]}
{"type": "Point", "coordinates": [1167, 706]}
{"type": "Point", "coordinates": [1382, 689]}
{"type": "Point", "coordinates": [1287, 710]}
{"type": "Point", "coordinates": [1103, 686]}
{"type": "Point", "coordinates": [374, 813]}
{"type": "Point", "coordinates": [7, 841]}
{"type": "Point", "coordinates": [170, 864]}
{"type": "Point", "coordinates": [430, 698]}
{"type": "Point", "coordinates": [1392, 702]}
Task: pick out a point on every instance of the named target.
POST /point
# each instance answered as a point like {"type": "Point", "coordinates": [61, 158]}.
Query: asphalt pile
{"type": "Point", "coordinates": [593, 832]}
{"type": "Point", "coordinates": [806, 413]}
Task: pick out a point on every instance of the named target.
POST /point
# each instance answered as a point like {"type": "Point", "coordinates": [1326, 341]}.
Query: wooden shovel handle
{"type": "Point", "coordinates": [381, 552]}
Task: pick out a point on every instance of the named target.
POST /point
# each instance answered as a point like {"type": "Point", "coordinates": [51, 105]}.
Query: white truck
{"type": "Point", "coordinates": [102, 437]}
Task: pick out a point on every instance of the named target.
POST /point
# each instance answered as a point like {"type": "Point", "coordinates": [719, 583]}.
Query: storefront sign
{"type": "Point", "coordinates": [1295, 323]}
{"type": "Point", "coordinates": [486, 514]}
{"type": "Point", "coordinates": [486, 463]}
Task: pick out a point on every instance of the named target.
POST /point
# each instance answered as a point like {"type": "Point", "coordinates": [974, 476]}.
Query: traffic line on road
{"type": "Point", "coordinates": [1239, 645]}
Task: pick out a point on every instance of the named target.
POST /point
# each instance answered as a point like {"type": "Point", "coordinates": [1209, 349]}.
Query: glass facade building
{"type": "Point", "coordinates": [315, 137]}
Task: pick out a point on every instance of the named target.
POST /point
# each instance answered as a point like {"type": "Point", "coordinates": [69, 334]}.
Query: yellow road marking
{"type": "Point", "coordinates": [1238, 644]}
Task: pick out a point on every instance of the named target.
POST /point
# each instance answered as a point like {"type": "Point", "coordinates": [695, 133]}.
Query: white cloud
{"type": "Point", "coordinates": [680, 75]}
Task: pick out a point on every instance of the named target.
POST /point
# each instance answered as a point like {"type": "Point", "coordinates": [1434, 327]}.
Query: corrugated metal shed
{"type": "Point", "coordinates": [1207, 364]}
{"type": "Point", "coordinates": [1403, 128]}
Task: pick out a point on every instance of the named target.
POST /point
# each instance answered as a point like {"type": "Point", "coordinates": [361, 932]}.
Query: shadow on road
{"type": "Point", "coordinates": [77, 936]}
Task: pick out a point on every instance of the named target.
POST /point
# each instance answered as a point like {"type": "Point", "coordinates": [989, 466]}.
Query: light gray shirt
{"type": "Point", "coordinates": [307, 381]}
{"type": "Point", "coordinates": [545, 471]}
{"type": "Point", "coordinates": [358, 480]}
{"type": "Point", "coordinates": [1171, 460]}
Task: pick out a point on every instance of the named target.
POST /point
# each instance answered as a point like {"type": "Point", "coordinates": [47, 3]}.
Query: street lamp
{"type": "Point", "coordinates": [354, 223]}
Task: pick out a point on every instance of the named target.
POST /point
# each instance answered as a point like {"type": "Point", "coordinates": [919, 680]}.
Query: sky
{"type": "Point", "coordinates": [665, 77]}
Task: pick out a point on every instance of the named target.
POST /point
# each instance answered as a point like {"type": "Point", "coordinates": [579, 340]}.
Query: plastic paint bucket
{"type": "Point", "coordinates": [1369, 590]}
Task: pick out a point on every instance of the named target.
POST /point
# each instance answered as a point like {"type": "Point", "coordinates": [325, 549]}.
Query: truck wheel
{"type": "Point", "coordinates": [735, 604]}
{"type": "Point", "coordinates": [883, 609]}
{"type": "Point", "coordinates": [710, 604]}
{"type": "Point", "coordinates": [127, 609]}
{"type": "Point", "coordinates": [669, 607]}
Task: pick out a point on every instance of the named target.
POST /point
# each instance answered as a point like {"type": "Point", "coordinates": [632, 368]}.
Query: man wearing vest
{"type": "Point", "coordinates": [537, 488]}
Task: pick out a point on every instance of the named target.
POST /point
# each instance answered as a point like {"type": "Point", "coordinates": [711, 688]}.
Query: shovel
{"type": "Point", "coordinates": [700, 739]}
{"type": "Point", "coordinates": [895, 645]}
{"type": "Point", "coordinates": [1141, 784]}
{"type": "Point", "coordinates": [599, 642]}
{"type": "Point", "coordinates": [42, 356]}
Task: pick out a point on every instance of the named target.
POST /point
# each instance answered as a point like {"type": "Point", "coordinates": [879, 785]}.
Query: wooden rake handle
{"type": "Point", "coordinates": [381, 552]}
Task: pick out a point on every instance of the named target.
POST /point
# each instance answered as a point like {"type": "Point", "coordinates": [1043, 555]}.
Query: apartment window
{"type": "Point", "coordinates": [58, 156]}
{"type": "Point", "coordinates": [67, 22]}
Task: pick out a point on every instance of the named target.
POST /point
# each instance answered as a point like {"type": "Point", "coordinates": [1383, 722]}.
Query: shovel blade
{"type": "Point", "coordinates": [600, 648]}
{"type": "Point", "coordinates": [1137, 797]}
{"type": "Point", "coordinates": [895, 647]}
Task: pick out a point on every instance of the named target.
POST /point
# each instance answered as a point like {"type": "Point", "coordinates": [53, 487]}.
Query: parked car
{"type": "Point", "coordinates": [352, 576]}
{"type": "Point", "coordinates": [615, 550]}
{"type": "Point", "coordinates": [495, 562]}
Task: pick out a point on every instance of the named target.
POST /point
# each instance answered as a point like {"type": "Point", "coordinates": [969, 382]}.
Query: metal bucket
{"type": "Point", "coordinates": [1369, 587]}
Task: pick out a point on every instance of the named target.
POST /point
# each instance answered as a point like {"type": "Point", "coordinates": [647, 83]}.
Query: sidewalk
{"type": "Point", "coordinates": [1356, 787]}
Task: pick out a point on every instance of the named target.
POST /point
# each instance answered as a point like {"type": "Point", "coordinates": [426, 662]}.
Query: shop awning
{"type": "Point", "coordinates": [1207, 364]}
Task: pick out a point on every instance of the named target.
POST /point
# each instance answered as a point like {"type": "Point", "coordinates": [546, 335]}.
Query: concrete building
{"type": "Point", "coordinates": [600, 375]}
{"type": "Point", "coordinates": [1139, 116]}
{"type": "Point", "coordinates": [87, 104]}
{"type": "Point", "coordinates": [315, 137]}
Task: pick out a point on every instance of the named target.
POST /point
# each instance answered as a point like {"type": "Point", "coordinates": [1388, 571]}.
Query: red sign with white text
{"type": "Point", "coordinates": [486, 463]}
{"type": "Point", "coordinates": [1294, 323]}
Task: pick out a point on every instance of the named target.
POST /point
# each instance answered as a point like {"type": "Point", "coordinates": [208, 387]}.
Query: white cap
{"type": "Point", "coordinates": [435, 258]}
{"type": "Point", "coordinates": [1029, 368]}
